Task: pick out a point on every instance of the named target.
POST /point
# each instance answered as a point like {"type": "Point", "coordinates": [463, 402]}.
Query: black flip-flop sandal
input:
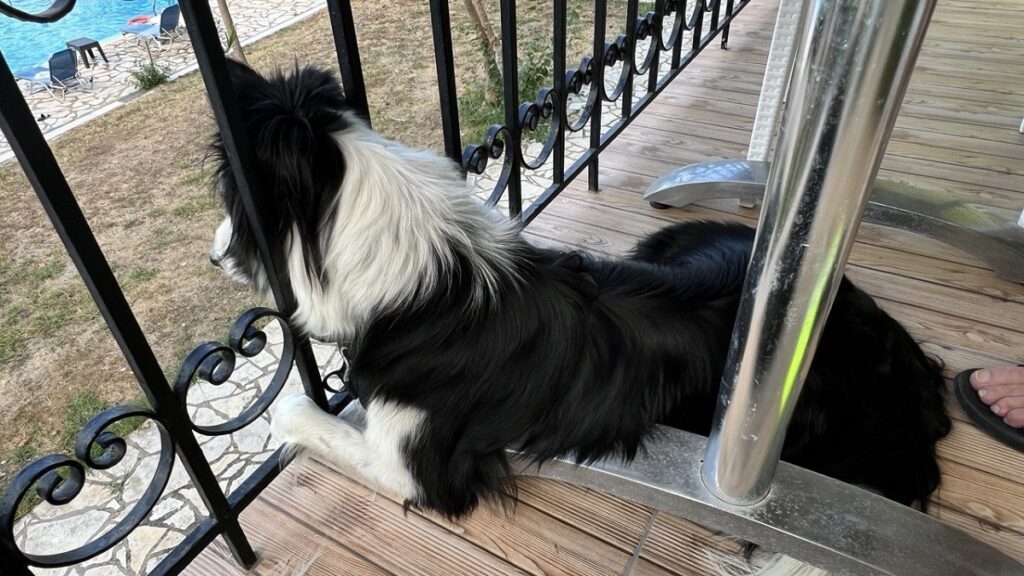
{"type": "Point", "coordinates": [982, 414]}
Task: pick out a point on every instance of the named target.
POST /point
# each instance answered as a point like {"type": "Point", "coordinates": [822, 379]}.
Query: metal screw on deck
{"type": "Point", "coordinates": [851, 69]}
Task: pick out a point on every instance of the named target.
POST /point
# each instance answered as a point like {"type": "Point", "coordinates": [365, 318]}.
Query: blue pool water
{"type": "Point", "coordinates": [26, 44]}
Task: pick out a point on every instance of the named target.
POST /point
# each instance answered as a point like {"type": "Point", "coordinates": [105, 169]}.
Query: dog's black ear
{"type": "Point", "coordinates": [243, 77]}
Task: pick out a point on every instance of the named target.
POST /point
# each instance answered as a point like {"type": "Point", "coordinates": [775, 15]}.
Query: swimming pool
{"type": "Point", "coordinates": [26, 44]}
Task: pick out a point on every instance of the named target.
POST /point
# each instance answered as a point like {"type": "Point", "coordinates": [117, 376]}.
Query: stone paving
{"type": "Point", "coordinates": [112, 82]}
{"type": "Point", "coordinates": [109, 495]}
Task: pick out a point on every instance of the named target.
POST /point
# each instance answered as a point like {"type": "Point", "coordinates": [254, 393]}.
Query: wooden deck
{"type": "Point", "coordinates": [957, 134]}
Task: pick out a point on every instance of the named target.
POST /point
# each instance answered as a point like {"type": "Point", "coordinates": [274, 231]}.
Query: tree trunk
{"type": "Point", "coordinates": [491, 47]}
{"type": "Point", "coordinates": [234, 44]}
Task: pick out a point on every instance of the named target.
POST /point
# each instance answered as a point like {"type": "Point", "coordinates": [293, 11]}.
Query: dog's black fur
{"type": "Point", "coordinates": [580, 355]}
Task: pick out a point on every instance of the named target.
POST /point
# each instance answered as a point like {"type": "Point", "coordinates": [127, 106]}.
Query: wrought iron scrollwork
{"type": "Point", "coordinates": [617, 52]}
{"type": "Point", "coordinates": [575, 80]}
{"type": "Point", "coordinates": [547, 106]}
{"type": "Point", "coordinates": [56, 11]}
{"type": "Point", "coordinates": [632, 54]}
{"type": "Point", "coordinates": [98, 448]}
{"type": "Point", "coordinates": [670, 7]}
{"type": "Point", "coordinates": [214, 362]}
{"type": "Point", "coordinates": [498, 143]}
{"type": "Point", "coordinates": [341, 374]}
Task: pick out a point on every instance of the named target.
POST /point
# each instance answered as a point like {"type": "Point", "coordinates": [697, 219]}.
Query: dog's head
{"type": "Point", "coordinates": [291, 122]}
{"type": "Point", "coordinates": [366, 224]}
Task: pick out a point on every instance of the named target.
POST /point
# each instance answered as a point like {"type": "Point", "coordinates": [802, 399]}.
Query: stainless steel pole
{"type": "Point", "coordinates": [853, 62]}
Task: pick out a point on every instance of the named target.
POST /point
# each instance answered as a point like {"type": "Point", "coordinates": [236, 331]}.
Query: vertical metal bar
{"type": "Point", "coordinates": [205, 41]}
{"type": "Point", "coordinates": [558, 29]}
{"type": "Point", "coordinates": [677, 47]}
{"type": "Point", "coordinates": [26, 140]}
{"type": "Point", "coordinates": [15, 119]}
{"type": "Point", "coordinates": [715, 14]}
{"type": "Point", "coordinates": [597, 83]}
{"type": "Point", "coordinates": [629, 57]}
{"type": "Point", "coordinates": [656, 32]}
{"type": "Point", "coordinates": [347, 48]}
{"type": "Point", "coordinates": [440, 22]}
{"type": "Point", "coordinates": [698, 26]}
{"type": "Point", "coordinates": [510, 75]}
{"type": "Point", "coordinates": [843, 100]}
{"type": "Point", "coordinates": [728, 23]}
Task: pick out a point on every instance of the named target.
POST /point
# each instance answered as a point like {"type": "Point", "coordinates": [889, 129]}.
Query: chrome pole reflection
{"type": "Point", "coordinates": [852, 65]}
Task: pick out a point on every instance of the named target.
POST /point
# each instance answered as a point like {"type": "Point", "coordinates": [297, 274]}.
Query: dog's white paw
{"type": "Point", "coordinates": [293, 418]}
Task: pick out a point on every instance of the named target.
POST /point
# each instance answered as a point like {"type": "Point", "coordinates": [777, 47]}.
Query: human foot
{"type": "Point", "coordinates": [1002, 389]}
{"type": "Point", "coordinates": [994, 399]}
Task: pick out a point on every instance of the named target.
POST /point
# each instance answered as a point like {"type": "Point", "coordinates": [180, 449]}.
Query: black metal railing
{"type": "Point", "coordinates": [58, 479]}
{"type": "Point", "coordinates": [664, 29]}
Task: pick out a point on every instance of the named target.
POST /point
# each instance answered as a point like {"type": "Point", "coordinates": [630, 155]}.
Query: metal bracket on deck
{"type": "Point", "coordinates": [813, 518]}
{"type": "Point", "coordinates": [961, 225]}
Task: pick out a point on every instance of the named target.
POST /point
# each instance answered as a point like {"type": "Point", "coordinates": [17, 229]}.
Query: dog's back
{"type": "Point", "coordinates": [872, 408]}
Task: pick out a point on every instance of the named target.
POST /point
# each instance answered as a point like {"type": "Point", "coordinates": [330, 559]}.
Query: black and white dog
{"type": "Point", "coordinates": [466, 340]}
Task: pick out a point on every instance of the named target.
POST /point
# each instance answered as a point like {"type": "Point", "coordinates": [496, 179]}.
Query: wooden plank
{"type": "Point", "coordinates": [959, 47]}
{"type": "Point", "coordinates": [984, 160]}
{"type": "Point", "coordinates": [687, 548]}
{"type": "Point", "coordinates": [539, 543]}
{"type": "Point", "coordinates": [985, 496]}
{"type": "Point", "coordinates": [940, 272]}
{"type": "Point", "coordinates": [215, 561]}
{"type": "Point", "coordinates": [926, 325]}
{"type": "Point", "coordinates": [376, 527]}
{"type": "Point", "coordinates": [977, 307]}
{"type": "Point", "coordinates": [977, 150]}
{"type": "Point", "coordinates": [284, 546]}
{"type": "Point", "coordinates": [969, 446]}
{"type": "Point", "coordinates": [701, 128]}
{"type": "Point", "coordinates": [1010, 543]}
{"type": "Point", "coordinates": [953, 78]}
{"type": "Point", "coordinates": [617, 522]}
{"type": "Point", "coordinates": [530, 540]}
{"type": "Point", "coordinates": [961, 177]}
{"type": "Point", "coordinates": [645, 152]}
{"type": "Point", "coordinates": [975, 492]}
{"type": "Point", "coordinates": [624, 188]}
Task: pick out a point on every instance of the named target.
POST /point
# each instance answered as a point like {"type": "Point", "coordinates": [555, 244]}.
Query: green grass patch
{"type": "Point", "coordinates": [149, 76]}
{"type": "Point", "coordinates": [198, 177]}
{"type": "Point", "coordinates": [83, 407]}
{"type": "Point", "coordinates": [140, 275]}
{"type": "Point", "coordinates": [31, 306]}
{"type": "Point", "coordinates": [196, 206]}
{"type": "Point", "coordinates": [15, 459]}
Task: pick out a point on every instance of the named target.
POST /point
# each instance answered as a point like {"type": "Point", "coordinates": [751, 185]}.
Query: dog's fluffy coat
{"type": "Point", "coordinates": [465, 340]}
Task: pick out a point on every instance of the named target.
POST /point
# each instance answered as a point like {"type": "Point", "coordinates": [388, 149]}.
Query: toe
{"type": "Point", "coordinates": [1015, 418]}
{"type": "Point", "coordinates": [1007, 404]}
{"type": "Point", "coordinates": [993, 394]}
{"type": "Point", "coordinates": [997, 376]}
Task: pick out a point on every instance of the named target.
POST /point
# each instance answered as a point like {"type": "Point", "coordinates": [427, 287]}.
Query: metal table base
{"type": "Point", "coordinates": [997, 241]}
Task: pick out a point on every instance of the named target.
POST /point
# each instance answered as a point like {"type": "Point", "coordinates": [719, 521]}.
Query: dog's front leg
{"type": "Point", "coordinates": [378, 454]}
